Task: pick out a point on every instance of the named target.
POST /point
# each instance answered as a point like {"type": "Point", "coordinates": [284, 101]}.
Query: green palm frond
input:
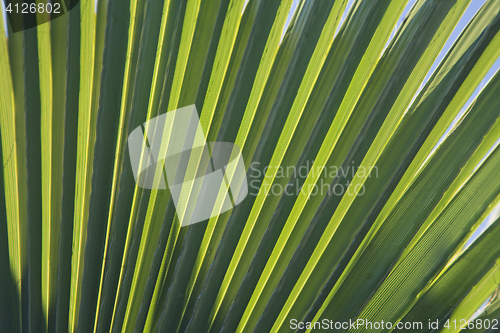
{"type": "Point", "coordinates": [369, 136]}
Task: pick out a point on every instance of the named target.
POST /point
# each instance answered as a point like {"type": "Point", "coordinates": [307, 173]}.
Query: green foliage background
{"type": "Point", "coordinates": [83, 249]}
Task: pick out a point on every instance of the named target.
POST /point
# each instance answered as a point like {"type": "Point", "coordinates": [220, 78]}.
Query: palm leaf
{"type": "Point", "coordinates": [385, 100]}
